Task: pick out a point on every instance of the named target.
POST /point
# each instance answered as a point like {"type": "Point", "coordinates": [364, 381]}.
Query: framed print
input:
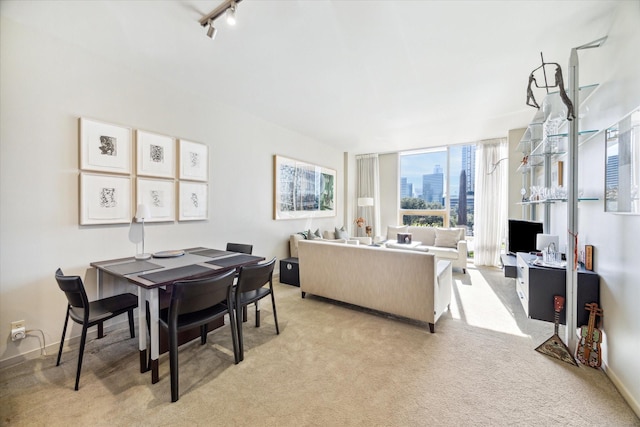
{"type": "Point", "coordinates": [303, 190]}
{"type": "Point", "coordinates": [193, 201]}
{"type": "Point", "coordinates": [160, 196]}
{"type": "Point", "coordinates": [104, 199]}
{"type": "Point", "coordinates": [104, 147]}
{"type": "Point", "coordinates": [194, 161]}
{"type": "Point", "coordinates": [155, 154]}
{"type": "Point", "coordinates": [556, 173]}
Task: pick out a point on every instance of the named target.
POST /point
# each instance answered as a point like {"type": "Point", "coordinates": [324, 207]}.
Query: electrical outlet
{"type": "Point", "coordinates": [18, 330]}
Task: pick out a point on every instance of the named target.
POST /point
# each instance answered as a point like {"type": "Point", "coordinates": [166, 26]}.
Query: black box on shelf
{"type": "Point", "coordinates": [289, 271]}
{"type": "Point", "coordinates": [404, 238]}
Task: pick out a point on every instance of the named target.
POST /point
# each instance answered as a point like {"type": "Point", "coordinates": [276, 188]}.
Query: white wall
{"type": "Point", "coordinates": [46, 85]}
{"type": "Point", "coordinates": [615, 66]}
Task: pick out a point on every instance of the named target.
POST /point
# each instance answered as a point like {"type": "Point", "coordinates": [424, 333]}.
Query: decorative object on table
{"type": "Point", "coordinates": [156, 155]}
{"type": "Point", "coordinates": [554, 346]}
{"type": "Point", "coordinates": [160, 196]}
{"type": "Point", "coordinates": [404, 238]}
{"type": "Point", "coordinates": [193, 203]}
{"type": "Point", "coordinates": [302, 190]}
{"type": "Point", "coordinates": [168, 254]}
{"type": "Point", "coordinates": [368, 229]}
{"type": "Point", "coordinates": [360, 222]}
{"type": "Point", "coordinates": [104, 147]}
{"type": "Point", "coordinates": [193, 161]}
{"type": "Point", "coordinates": [558, 82]}
{"type": "Point", "coordinates": [588, 257]}
{"type": "Point", "coordinates": [104, 199]}
{"type": "Point", "coordinates": [143, 213]}
{"type": "Point", "coordinates": [590, 337]}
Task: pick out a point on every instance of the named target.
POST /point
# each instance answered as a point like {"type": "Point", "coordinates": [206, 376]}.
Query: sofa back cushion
{"type": "Point", "coordinates": [447, 237]}
{"type": "Point", "coordinates": [425, 235]}
{"type": "Point", "coordinates": [393, 230]}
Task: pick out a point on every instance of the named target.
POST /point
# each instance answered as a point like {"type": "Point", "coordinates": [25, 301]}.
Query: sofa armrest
{"type": "Point", "coordinates": [362, 240]}
{"type": "Point", "coordinates": [462, 248]}
{"type": "Point", "coordinates": [293, 244]}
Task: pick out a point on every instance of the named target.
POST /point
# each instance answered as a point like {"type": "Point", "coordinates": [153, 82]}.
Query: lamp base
{"type": "Point", "coordinates": [143, 256]}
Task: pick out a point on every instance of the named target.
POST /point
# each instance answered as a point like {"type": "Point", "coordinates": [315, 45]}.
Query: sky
{"type": "Point", "coordinates": [414, 166]}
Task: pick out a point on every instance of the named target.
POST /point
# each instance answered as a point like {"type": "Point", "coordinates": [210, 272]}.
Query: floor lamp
{"type": "Point", "coordinates": [366, 202]}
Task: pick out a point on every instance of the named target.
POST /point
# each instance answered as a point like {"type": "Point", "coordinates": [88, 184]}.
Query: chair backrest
{"type": "Point", "coordinates": [255, 276]}
{"type": "Point", "coordinates": [73, 288]}
{"type": "Point", "coordinates": [189, 296]}
{"type": "Point", "coordinates": [240, 247]}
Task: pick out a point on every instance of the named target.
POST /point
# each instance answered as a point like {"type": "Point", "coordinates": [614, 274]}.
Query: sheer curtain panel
{"type": "Point", "coordinates": [490, 209]}
{"type": "Point", "coordinates": [368, 185]}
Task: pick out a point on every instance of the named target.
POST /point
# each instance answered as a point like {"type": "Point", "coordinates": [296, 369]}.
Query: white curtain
{"type": "Point", "coordinates": [368, 185]}
{"type": "Point", "coordinates": [490, 204]}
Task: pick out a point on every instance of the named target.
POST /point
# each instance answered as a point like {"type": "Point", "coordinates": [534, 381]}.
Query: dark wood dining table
{"type": "Point", "coordinates": [159, 272]}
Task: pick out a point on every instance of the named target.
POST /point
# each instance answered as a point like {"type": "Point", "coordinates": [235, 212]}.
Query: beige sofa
{"type": "Point", "coordinates": [411, 284]}
{"type": "Point", "coordinates": [445, 243]}
{"type": "Point", "coordinates": [328, 236]}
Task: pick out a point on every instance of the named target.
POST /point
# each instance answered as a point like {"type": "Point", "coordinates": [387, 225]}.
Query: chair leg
{"type": "Point", "coordinates": [244, 313]}
{"type": "Point", "coordinates": [173, 363]}
{"type": "Point", "coordinates": [257, 314]}
{"type": "Point", "coordinates": [100, 330]}
{"type": "Point", "coordinates": [64, 331]}
{"type": "Point", "coordinates": [132, 329]}
{"type": "Point", "coordinates": [83, 340]}
{"type": "Point", "coordinates": [203, 334]}
{"type": "Point", "coordinates": [239, 332]}
{"type": "Point", "coordinates": [234, 335]}
{"type": "Point", "coordinates": [275, 315]}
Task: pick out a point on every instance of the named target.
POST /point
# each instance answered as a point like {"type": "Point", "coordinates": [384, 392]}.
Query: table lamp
{"type": "Point", "coordinates": [143, 213]}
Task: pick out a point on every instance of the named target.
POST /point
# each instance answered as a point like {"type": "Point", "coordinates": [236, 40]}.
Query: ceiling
{"type": "Point", "coordinates": [362, 76]}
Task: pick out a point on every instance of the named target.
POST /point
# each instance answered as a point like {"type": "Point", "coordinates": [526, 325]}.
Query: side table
{"type": "Point", "coordinates": [290, 271]}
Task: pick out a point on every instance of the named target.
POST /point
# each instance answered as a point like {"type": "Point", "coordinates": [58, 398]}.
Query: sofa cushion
{"type": "Point", "coordinates": [443, 253]}
{"type": "Point", "coordinates": [341, 233]}
{"type": "Point", "coordinates": [392, 231]}
{"type": "Point", "coordinates": [314, 235]}
{"type": "Point", "coordinates": [447, 238]}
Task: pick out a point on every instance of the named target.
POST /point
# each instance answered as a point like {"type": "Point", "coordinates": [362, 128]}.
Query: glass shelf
{"type": "Point", "coordinates": [557, 144]}
{"type": "Point", "coordinates": [549, 201]}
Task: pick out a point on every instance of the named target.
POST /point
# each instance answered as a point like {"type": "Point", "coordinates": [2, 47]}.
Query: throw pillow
{"type": "Point", "coordinates": [314, 235]}
{"type": "Point", "coordinates": [447, 238]}
{"type": "Point", "coordinates": [341, 233]}
{"type": "Point", "coordinates": [392, 231]}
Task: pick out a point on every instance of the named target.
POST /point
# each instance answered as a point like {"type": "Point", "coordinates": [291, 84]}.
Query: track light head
{"type": "Point", "coordinates": [231, 13]}
{"type": "Point", "coordinates": [211, 31]}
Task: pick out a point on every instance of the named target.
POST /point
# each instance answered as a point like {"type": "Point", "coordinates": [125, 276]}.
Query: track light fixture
{"type": "Point", "coordinates": [229, 7]}
{"type": "Point", "coordinates": [212, 31]}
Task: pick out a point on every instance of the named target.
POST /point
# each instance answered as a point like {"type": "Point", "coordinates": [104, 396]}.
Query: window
{"type": "Point", "coordinates": [437, 187]}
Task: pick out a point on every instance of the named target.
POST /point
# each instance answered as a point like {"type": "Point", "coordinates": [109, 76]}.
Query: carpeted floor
{"type": "Point", "coordinates": [332, 365]}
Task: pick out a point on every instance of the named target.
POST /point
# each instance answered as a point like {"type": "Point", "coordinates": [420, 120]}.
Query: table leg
{"type": "Point", "coordinates": [154, 308]}
{"type": "Point", "coordinates": [99, 279]}
{"type": "Point", "coordinates": [142, 328]}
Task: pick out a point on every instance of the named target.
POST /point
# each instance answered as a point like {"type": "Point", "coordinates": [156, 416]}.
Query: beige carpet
{"type": "Point", "coordinates": [332, 365]}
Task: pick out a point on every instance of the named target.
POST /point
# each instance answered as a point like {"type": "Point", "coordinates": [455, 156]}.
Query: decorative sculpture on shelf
{"type": "Point", "coordinates": [558, 82]}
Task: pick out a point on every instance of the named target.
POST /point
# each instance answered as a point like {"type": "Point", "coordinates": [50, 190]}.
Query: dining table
{"type": "Point", "coordinates": [159, 272]}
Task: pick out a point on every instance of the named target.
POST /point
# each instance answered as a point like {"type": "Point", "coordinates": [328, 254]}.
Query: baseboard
{"type": "Point", "coordinates": [52, 349]}
{"type": "Point", "coordinates": [628, 397]}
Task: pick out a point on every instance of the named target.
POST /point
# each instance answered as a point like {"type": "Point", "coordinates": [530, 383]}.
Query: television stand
{"type": "Point", "coordinates": [510, 265]}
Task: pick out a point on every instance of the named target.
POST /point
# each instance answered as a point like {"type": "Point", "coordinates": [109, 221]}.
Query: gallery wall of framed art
{"type": "Point", "coordinates": [170, 175]}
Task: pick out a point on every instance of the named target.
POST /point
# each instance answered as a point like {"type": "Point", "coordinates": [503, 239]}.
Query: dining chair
{"type": "Point", "coordinates": [88, 314]}
{"type": "Point", "coordinates": [251, 289]}
{"type": "Point", "coordinates": [196, 303]}
{"type": "Point", "coordinates": [240, 247]}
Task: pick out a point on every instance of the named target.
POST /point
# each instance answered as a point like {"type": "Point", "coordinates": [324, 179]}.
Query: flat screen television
{"type": "Point", "coordinates": [522, 235]}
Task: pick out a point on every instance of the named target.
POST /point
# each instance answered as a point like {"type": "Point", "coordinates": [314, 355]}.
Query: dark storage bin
{"type": "Point", "coordinates": [289, 271]}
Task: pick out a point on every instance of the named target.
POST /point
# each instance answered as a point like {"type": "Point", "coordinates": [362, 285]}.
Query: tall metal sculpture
{"type": "Point", "coordinates": [558, 82]}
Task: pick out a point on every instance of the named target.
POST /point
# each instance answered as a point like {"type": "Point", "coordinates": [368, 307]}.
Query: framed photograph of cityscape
{"type": "Point", "coordinates": [104, 199]}
{"type": "Point", "coordinates": [193, 203]}
{"type": "Point", "coordinates": [105, 147]}
{"type": "Point", "coordinates": [194, 161]}
{"type": "Point", "coordinates": [156, 154]}
{"type": "Point", "coordinates": [302, 190]}
{"type": "Point", "coordinates": [160, 196]}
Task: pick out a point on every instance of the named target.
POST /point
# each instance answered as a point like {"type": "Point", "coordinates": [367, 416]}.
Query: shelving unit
{"type": "Point", "coordinates": [544, 142]}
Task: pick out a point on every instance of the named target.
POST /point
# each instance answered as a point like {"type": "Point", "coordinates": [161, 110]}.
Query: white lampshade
{"type": "Point", "coordinates": [544, 240]}
{"type": "Point", "coordinates": [365, 201]}
{"type": "Point", "coordinates": [143, 212]}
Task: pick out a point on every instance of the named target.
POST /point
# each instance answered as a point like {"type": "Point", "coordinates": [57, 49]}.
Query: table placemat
{"type": "Point", "coordinates": [212, 253]}
{"type": "Point", "coordinates": [132, 267]}
{"type": "Point", "coordinates": [234, 260]}
{"type": "Point", "coordinates": [176, 273]}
